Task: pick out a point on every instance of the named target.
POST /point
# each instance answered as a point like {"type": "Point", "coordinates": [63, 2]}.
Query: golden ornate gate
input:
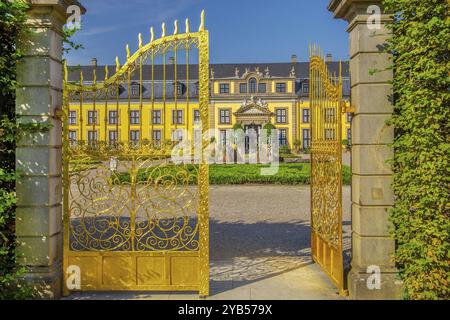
{"type": "Point", "coordinates": [133, 220]}
{"type": "Point", "coordinates": [326, 168]}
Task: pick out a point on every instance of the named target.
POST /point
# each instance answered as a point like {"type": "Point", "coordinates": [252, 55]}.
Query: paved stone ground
{"type": "Point", "coordinates": [260, 246]}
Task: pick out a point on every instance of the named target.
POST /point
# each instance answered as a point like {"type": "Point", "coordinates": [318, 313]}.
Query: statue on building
{"type": "Point", "coordinates": [236, 72]}
{"type": "Point", "coordinates": [292, 74]}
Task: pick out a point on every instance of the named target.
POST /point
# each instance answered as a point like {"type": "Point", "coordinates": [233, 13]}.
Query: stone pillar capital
{"type": "Point", "coordinates": [50, 13]}
{"type": "Point", "coordinates": [356, 11]}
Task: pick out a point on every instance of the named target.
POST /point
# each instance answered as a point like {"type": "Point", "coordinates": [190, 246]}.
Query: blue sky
{"type": "Point", "coordinates": [241, 30]}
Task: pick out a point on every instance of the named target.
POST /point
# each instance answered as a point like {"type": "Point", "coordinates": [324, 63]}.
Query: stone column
{"type": "Point", "coordinates": [38, 155]}
{"type": "Point", "coordinates": [372, 195]}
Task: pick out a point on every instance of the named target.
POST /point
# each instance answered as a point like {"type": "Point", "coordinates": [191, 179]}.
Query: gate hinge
{"type": "Point", "coordinates": [346, 107]}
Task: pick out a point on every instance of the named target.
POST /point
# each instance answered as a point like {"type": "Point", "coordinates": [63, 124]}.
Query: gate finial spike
{"type": "Point", "coordinates": [175, 27]}
{"type": "Point", "coordinates": [163, 27]}
{"type": "Point", "coordinates": [202, 21]}
{"type": "Point", "coordinates": [188, 29]}
{"type": "Point", "coordinates": [152, 34]}
{"type": "Point", "coordinates": [140, 40]}
{"type": "Point", "coordinates": [106, 72]}
{"type": "Point", "coordinates": [127, 48]}
{"type": "Point", "coordinates": [117, 64]}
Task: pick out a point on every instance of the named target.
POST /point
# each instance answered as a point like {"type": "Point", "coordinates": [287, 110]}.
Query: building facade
{"type": "Point", "coordinates": [165, 107]}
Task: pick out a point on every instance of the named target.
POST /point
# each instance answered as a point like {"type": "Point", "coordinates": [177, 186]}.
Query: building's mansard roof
{"type": "Point", "coordinates": [217, 72]}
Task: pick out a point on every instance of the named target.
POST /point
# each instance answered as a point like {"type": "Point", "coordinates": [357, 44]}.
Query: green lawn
{"type": "Point", "coordinates": [290, 174]}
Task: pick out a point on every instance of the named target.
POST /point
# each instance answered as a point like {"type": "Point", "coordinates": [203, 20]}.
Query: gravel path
{"type": "Point", "coordinates": [261, 231]}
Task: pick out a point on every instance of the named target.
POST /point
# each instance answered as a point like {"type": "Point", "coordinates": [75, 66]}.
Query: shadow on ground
{"type": "Point", "coordinates": [242, 253]}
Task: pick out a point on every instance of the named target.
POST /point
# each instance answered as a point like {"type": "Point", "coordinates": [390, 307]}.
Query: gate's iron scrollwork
{"type": "Point", "coordinates": [132, 219]}
{"type": "Point", "coordinates": [326, 168]}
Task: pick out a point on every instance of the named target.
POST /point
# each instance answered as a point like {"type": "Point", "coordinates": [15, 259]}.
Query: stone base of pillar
{"type": "Point", "coordinates": [48, 283]}
{"type": "Point", "coordinates": [390, 288]}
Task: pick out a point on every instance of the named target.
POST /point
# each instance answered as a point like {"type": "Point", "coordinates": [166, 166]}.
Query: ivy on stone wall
{"type": "Point", "coordinates": [12, 27]}
{"type": "Point", "coordinates": [421, 214]}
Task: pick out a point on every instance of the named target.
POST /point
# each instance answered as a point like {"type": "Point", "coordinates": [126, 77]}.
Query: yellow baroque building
{"type": "Point", "coordinates": [244, 95]}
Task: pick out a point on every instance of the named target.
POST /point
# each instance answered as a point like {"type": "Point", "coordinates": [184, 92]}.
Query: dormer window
{"type": "Point", "coordinates": [306, 87]}
{"type": "Point", "coordinates": [135, 90]}
{"type": "Point", "coordinates": [281, 87]}
{"type": "Point", "coordinates": [262, 88]}
{"type": "Point", "coordinates": [252, 85]}
{"type": "Point", "coordinates": [224, 88]}
{"type": "Point", "coordinates": [179, 88]}
{"type": "Point", "coordinates": [197, 88]}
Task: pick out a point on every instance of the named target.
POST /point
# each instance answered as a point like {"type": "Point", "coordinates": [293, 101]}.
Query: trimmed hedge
{"type": "Point", "coordinates": [290, 174]}
{"type": "Point", "coordinates": [421, 215]}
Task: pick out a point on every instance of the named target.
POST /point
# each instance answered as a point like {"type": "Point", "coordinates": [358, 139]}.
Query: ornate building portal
{"type": "Point", "coordinates": [254, 112]}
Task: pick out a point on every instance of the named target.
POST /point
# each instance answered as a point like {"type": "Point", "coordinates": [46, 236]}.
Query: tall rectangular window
{"type": "Point", "coordinates": [223, 137]}
{"type": "Point", "coordinates": [196, 116]}
{"type": "Point", "coordinates": [112, 136]}
{"type": "Point", "coordinates": [349, 136]}
{"type": "Point", "coordinates": [177, 116]}
{"type": "Point", "coordinates": [330, 134]}
{"type": "Point", "coordinates": [282, 137]}
{"type": "Point", "coordinates": [197, 136]}
{"type": "Point", "coordinates": [305, 115]}
{"type": "Point", "coordinates": [177, 135]}
{"type": "Point", "coordinates": [92, 136]}
{"type": "Point", "coordinates": [224, 88]}
{"type": "Point", "coordinates": [280, 87]}
{"type": "Point", "coordinates": [349, 117]}
{"type": "Point", "coordinates": [156, 136]}
{"type": "Point", "coordinates": [224, 116]}
{"type": "Point", "coordinates": [330, 115]}
{"type": "Point", "coordinates": [134, 135]}
{"type": "Point", "coordinates": [72, 117]}
{"type": "Point", "coordinates": [306, 138]}
{"type": "Point", "coordinates": [112, 117]}
{"type": "Point", "coordinates": [156, 118]}
{"type": "Point", "coordinates": [72, 136]}
{"type": "Point", "coordinates": [92, 117]}
{"type": "Point", "coordinates": [243, 88]}
{"type": "Point", "coordinates": [134, 117]}
{"type": "Point", "coordinates": [281, 115]}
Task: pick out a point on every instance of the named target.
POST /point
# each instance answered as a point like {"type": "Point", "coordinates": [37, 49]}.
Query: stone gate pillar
{"type": "Point", "coordinates": [372, 195]}
{"type": "Point", "coordinates": [38, 155]}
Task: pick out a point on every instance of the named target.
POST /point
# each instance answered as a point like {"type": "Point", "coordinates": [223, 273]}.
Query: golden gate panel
{"type": "Point", "coordinates": [133, 220]}
{"type": "Point", "coordinates": [326, 168]}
